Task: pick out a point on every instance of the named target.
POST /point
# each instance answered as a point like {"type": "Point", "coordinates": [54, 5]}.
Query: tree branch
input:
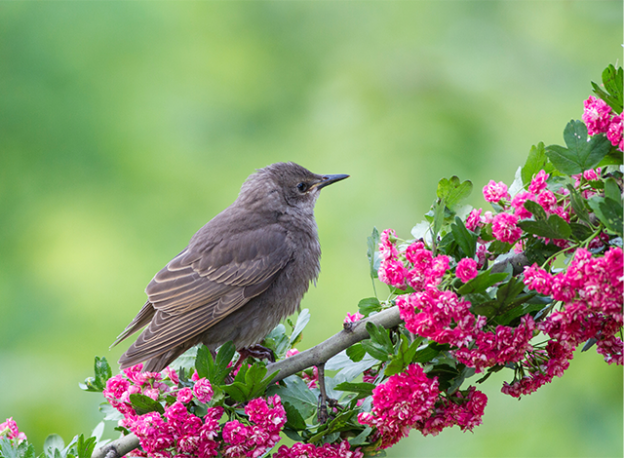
{"type": "Point", "coordinates": [322, 352]}
{"type": "Point", "coordinates": [319, 354]}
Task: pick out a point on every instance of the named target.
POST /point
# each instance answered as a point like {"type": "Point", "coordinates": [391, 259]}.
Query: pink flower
{"type": "Point", "coordinates": [387, 247]}
{"type": "Point", "coordinates": [505, 229]}
{"type": "Point", "coordinates": [547, 200]}
{"type": "Point", "coordinates": [203, 390]}
{"type": "Point", "coordinates": [473, 221]}
{"type": "Point", "coordinates": [399, 403]}
{"type": "Point", "coordinates": [291, 352]}
{"type": "Point", "coordinates": [538, 183]}
{"type": "Point", "coordinates": [596, 115]}
{"type": "Point", "coordinates": [9, 427]}
{"type": "Point", "coordinates": [494, 192]}
{"type": "Point", "coordinates": [466, 269]}
{"type": "Point", "coordinates": [392, 273]}
{"type": "Point", "coordinates": [592, 174]}
{"type": "Point", "coordinates": [357, 316]}
{"type": "Point", "coordinates": [518, 204]}
{"type": "Point", "coordinates": [614, 132]}
{"type": "Point", "coordinates": [538, 279]}
{"type": "Point", "coordinates": [301, 450]}
{"type": "Point", "coordinates": [185, 395]}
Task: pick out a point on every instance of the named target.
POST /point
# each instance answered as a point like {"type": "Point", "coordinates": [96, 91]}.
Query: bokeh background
{"type": "Point", "coordinates": [125, 126]}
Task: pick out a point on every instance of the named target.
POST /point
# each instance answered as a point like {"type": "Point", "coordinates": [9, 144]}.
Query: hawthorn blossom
{"type": "Point", "coordinates": [473, 221]}
{"type": "Point", "coordinates": [466, 269]}
{"type": "Point", "coordinates": [494, 192]}
{"type": "Point", "coordinates": [596, 115]}
{"type": "Point", "coordinates": [505, 229]}
{"type": "Point", "coordinates": [357, 316]}
{"type": "Point", "coordinates": [465, 410]}
{"type": "Point", "coordinates": [538, 183]}
{"type": "Point", "coordinates": [203, 390]}
{"type": "Point", "coordinates": [9, 429]}
{"type": "Point", "coordinates": [614, 132]}
{"type": "Point", "coordinates": [185, 395]}
{"type": "Point", "coordinates": [301, 450]}
{"type": "Point", "coordinates": [400, 403]}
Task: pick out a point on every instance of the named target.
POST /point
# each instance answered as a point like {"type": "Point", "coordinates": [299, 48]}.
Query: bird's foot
{"type": "Point", "coordinates": [258, 352]}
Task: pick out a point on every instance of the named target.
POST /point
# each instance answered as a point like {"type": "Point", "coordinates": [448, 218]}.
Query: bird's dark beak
{"type": "Point", "coordinates": [329, 179]}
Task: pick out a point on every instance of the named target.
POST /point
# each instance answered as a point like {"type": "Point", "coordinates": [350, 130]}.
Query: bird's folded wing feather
{"type": "Point", "coordinates": [199, 276]}
{"type": "Point", "coordinates": [204, 284]}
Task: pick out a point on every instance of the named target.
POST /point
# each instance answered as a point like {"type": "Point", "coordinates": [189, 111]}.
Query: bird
{"type": "Point", "coordinates": [240, 275]}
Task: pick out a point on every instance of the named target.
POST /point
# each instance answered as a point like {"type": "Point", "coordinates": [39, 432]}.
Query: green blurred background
{"type": "Point", "coordinates": [125, 126]}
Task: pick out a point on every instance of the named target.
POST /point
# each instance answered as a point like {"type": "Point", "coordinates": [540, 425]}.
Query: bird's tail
{"type": "Point", "coordinates": [143, 317]}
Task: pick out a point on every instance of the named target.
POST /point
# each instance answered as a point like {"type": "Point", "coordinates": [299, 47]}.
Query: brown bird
{"type": "Point", "coordinates": [241, 273]}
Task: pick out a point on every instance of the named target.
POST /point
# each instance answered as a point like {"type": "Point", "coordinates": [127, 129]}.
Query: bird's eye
{"type": "Point", "coordinates": [302, 187]}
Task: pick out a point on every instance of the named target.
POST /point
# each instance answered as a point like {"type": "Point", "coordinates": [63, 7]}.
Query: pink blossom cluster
{"type": "Point", "coordinates": [465, 410]}
{"type": "Point", "coordinates": [591, 291]}
{"type": "Point", "coordinates": [301, 450]}
{"type": "Point", "coordinates": [505, 345]}
{"type": "Point", "coordinates": [180, 433]}
{"type": "Point", "coordinates": [9, 429]}
{"type": "Point", "coordinates": [597, 115]}
{"type": "Point", "coordinates": [400, 404]}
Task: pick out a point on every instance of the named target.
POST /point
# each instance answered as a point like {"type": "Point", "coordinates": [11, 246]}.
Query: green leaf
{"type": "Point", "coordinates": [85, 447]}
{"type": "Point", "coordinates": [369, 305]}
{"type": "Point", "coordinates": [363, 389]}
{"type": "Point", "coordinates": [578, 204]}
{"type": "Point", "coordinates": [294, 420]}
{"type": "Point", "coordinates": [453, 192]}
{"type": "Point", "coordinates": [613, 157]}
{"type": "Point", "coordinates": [553, 228]}
{"type": "Point", "coordinates": [536, 210]}
{"type": "Point", "coordinates": [612, 190]}
{"type": "Point", "coordinates": [467, 240]}
{"type": "Point", "coordinates": [53, 444]}
{"type": "Point", "coordinates": [425, 355]}
{"type": "Point", "coordinates": [302, 321]}
{"type": "Point", "coordinates": [519, 311]}
{"type": "Point", "coordinates": [580, 154]}
{"type": "Point", "coordinates": [372, 253]}
{"type": "Point", "coordinates": [215, 370]}
{"type": "Point", "coordinates": [507, 297]}
{"type": "Point", "coordinates": [612, 81]}
{"type": "Point", "coordinates": [580, 231]}
{"type": "Point", "coordinates": [403, 357]}
{"type": "Point", "coordinates": [143, 404]}
{"type": "Point", "coordinates": [340, 423]}
{"type": "Point", "coordinates": [438, 218]}
{"type": "Point", "coordinates": [375, 350]}
{"type": "Point", "coordinates": [251, 384]}
{"type": "Point", "coordinates": [482, 282]}
{"type": "Point", "coordinates": [608, 211]}
{"type": "Point", "coordinates": [536, 161]}
{"type": "Point", "coordinates": [102, 374]}
{"type": "Point", "coordinates": [296, 393]}
{"type": "Point", "coordinates": [356, 352]}
{"type": "Point", "coordinates": [379, 336]}
{"type": "Point", "coordinates": [361, 438]}
{"type": "Point", "coordinates": [278, 341]}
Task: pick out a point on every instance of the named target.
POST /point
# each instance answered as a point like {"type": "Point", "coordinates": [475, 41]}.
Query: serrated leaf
{"type": "Point", "coordinates": [403, 357]}
{"type": "Point", "coordinates": [578, 204]}
{"type": "Point", "coordinates": [467, 240]}
{"type": "Point", "coordinates": [508, 296]}
{"type": "Point", "coordinates": [481, 282]}
{"type": "Point", "coordinates": [53, 442]}
{"type": "Point", "coordinates": [143, 404]}
{"type": "Point", "coordinates": [536, 161]}
{"type": "Point", "coordinates": [369, 305]}
{"type": "Point", "coordinates": [536, 210]}
{"type": "Point", "coordinates": [380, 336]}
{"type": "Point", "coordinates": [608, 212]}
{"type": "Point", "coordinates": [425, 355]}
{"type": "Point", "coordinates": [302, 321]}
{"type": "Point", "coordinates": [612, 190]}
{"type": "Point", "coordinates": [580, 231]}
{"type": "Point", "coordinates": [453, 191]}
{"type": "Point", "coordinates": [372, 253]}
{"type": "Point", "coordinates": [612, 81]}
{"type": "Point", "coordinates": [356, 352]}
{"type": "Point", "coordinates": [348, 369]}
{"type": "Point", "coordinates": [555, 227]}
{"type": "Point", "coordinates": [297, 394]}
{"type": "Point", "coordinates": [580, 155]}
{"type": "Point", "coordinates": [363, 389]}
{"type": "Point", "coordinates": [375, 350]}
{"type": "Point", "coordinates": [85, 447]}
{"type": "Point", "coordinates": [294, 420]}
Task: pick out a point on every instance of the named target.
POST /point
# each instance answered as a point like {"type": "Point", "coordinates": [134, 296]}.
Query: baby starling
{"type": "Point", "coordinates": [240, 274]}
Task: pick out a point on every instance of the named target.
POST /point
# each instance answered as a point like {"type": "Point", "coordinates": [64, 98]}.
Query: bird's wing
{"type": "Point", "coordinates": [201, 275]}
{"type": "Point", "coordinates": [204, 284]}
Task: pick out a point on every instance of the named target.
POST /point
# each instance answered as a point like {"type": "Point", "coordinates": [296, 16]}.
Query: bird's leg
{"type": "Point", "coordinates": [256, 351]}
{"type": "Point", "coordinates": [324, 401]}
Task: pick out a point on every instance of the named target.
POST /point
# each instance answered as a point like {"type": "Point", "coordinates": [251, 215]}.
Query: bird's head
{"type": "Point", "coordinates": [286, 183]}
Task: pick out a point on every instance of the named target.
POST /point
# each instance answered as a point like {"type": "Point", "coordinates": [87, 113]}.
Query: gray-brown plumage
{"type": "Point", "coordinates": [241, 273]}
